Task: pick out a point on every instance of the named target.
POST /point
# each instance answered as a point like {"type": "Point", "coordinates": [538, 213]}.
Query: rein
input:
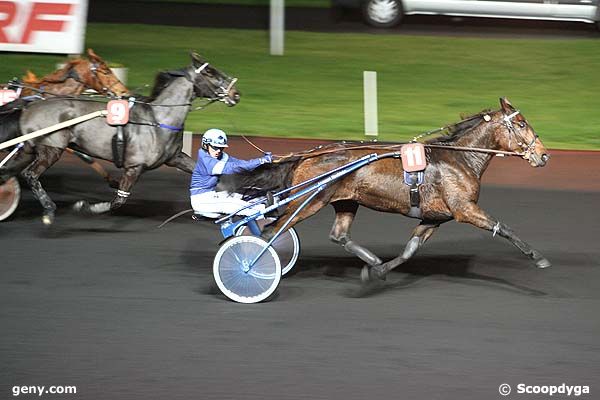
{"type": "Point", "coordinates": [506, 120]}
{"type": "Point", "coordinates": [253, 145]}
{"type": "Point", "coordinates": [310, 154]}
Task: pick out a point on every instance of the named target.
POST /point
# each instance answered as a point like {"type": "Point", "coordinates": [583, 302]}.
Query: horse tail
{"type": "Point", "coordinates": [10, 124]}
{"type": "Point", "coordinates": [266, 178]}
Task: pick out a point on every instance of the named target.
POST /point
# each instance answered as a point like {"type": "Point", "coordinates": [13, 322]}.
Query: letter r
{"type": "Point", "coordinates": [36, 23]}
{"type": "Point", "coordinates": [9, 8]}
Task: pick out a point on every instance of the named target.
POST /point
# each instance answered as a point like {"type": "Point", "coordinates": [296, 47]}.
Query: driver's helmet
{"type": "Point", "coordinates": [215, 138]}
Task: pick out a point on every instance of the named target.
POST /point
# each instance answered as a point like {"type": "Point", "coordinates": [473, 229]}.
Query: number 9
{"type": "Point", "coordinates": [117, 112]}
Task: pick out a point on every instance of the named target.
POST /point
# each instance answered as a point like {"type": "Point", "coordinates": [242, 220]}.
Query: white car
{"type": "Point", "coordinates": [389, 13]}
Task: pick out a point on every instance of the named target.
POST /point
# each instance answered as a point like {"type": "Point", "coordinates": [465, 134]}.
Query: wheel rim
{"type": "Point", "coordinates": [10, 194]}
{"type": "Point", "coordinates": [383, 11]}
{"type": "Point", "coordinates": [233, 278]}
{"type": "Point", "coordinates": [287, 247]}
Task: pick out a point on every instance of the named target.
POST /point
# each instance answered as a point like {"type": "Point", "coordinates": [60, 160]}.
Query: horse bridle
{"type": "Point", "coordinates": [528, 149]}
{"type": "Point", "coordinates": [222, 89]}
{"type": "Point", "coordinates": [94, 69]}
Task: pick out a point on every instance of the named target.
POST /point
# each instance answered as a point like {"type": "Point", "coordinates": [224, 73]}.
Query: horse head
{"type": "Point", "coordinates": [96, 74]}
{"type": "Point", "coordinates": [518, 136]}
{"type": "Point", "coordinates": [210, 83]}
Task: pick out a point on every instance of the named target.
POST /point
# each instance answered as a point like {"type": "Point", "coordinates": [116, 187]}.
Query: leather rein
{"type": "Point", "coordinates": [320, 150]}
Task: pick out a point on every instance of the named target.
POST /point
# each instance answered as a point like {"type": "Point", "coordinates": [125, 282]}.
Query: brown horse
{"type": "Point", "coordinates": [450, 190]}
{"type": "Point", "coordinates": [76, 76]}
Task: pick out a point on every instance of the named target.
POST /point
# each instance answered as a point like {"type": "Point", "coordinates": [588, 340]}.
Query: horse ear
{"type": "Point", "coordinates": [506, 106]}
{"type": "Point", "coordinates": [196, 59]}
{"type": "Point", "coordinates": [93, 56]}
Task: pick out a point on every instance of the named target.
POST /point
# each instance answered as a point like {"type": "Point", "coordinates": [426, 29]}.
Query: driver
{"type": "Point", "coordinates": [212, 162]}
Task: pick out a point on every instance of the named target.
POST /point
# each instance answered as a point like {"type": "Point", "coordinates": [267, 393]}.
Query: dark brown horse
{"type": "Point", "coordinates": [450, 189]}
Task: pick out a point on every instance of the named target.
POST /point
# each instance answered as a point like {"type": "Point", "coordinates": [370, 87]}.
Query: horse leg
{"type": "Point", "coordinates": [418, 238]}
{"type": "Point", "coordinates": [471, 213]}
{"type": "Point", "coordinates": [45, 158]}
{"type": "Point", "coordinates": [128, 179]}
{"type": "Point", "coordinates": [96, 166]}
{"type": "Point", "coordinates": [345, 211]}
{"type": "Point", "coordinates": [183, 162]}
{"type": "Point", "coordinates": [16, 165]}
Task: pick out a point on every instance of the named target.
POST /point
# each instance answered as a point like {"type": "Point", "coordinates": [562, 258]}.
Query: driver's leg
{"type": "Point", "coordinates": [223, 203]}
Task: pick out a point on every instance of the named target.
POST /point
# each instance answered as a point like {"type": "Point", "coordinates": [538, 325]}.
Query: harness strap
{"type": "Point", "coordinates": [171, 127]}
{"type": "Point", "coordinates": [119, 144]}
{"type": "Point", "coordinates": [414, 180]}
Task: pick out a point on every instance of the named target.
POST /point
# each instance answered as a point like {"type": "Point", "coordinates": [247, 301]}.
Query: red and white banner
{"type": "Point", "coordinates": [43, 26]}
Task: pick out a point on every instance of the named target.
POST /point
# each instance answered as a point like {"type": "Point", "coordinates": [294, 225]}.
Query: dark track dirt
{"type": "Point", "coordinates": [124, 310]}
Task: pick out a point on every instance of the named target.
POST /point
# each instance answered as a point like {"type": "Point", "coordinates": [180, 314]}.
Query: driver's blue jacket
{"type": "Point", "coordinates": [207, 170]}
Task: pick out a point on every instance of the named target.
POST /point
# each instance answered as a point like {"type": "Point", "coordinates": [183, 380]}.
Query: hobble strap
{"type": "Point", "coordinates": [122, 193]}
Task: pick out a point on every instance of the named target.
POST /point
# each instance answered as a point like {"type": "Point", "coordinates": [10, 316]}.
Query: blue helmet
{"type": "Point", "coordinates": [215, 138]}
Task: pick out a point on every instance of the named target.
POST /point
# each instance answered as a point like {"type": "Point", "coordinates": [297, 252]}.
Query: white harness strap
{"type": "Point", "coordinates": [508, 118]}
{"type": "Point", "coordinates": [233, 81]}
{"type": "Point", "coordinates": [201, 68]}
{"type": "Point", "coordinates": [220, 166]}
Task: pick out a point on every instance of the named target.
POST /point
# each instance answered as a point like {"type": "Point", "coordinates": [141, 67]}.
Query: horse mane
{"type": "Point", "coordinates": [57, 76]}
{"type": "Point", "coordinates": [267, 177]}
{"type": "Point", "coordinates": [62, 74]}
{"type": "Point", "coordinates": [30, 78]}
{"type": "Point", "coordinates": [162, 80]}
{"type": "Point", "coordinates": [461, 128]}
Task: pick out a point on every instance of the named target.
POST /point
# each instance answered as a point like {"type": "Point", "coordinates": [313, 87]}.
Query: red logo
{"type": "Point", "coordinates": [118, 112]}
{"type": "Point", "coordinates": [7, 95]}
{"type": "Point", "coordinates": [43, 17]}
{"type": "Point", "coordinates": [413, 157]}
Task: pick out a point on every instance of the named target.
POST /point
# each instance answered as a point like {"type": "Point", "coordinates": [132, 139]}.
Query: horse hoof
{"type": "Point", "coordinates": [364, 274]}
{"type": "Point", "coordinates": [371, 274]}
{"type": "Point", "coordinates": [543, 263]}
{"type": "Point", "coordinates": [80, 206]}
{"type": "Point", "coordinates": [48, 219]}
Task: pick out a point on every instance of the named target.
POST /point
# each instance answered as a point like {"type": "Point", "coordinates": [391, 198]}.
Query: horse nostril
{"type": "Point", "coordinates": [545, 157]}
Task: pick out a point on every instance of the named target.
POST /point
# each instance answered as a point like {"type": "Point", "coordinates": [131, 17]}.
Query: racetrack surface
{"type": "Point", "coordinates": [124, 310]}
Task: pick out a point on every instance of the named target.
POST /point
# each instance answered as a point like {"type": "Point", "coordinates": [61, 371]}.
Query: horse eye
{"type": "Point", "coordinates": [522, 124]}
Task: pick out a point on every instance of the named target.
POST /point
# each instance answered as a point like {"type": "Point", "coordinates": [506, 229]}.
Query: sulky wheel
{"type": "Point", "coordinates": [234, 276]}
{"type": "Point", "coordinates": [287, 247]}
{"type": "Point", "coordinates": [10, 194]}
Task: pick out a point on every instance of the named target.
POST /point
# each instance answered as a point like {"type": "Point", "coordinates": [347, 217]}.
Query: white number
{"type": "Point", "coordinates": [118, 112]}
{"type": "Point", "coordinates": [413, 156]}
